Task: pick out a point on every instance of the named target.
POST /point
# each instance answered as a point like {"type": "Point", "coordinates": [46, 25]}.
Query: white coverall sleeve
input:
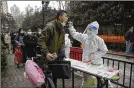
{"type": "Point", "coordinates": [76, 35]}
{"type": "Point", "coordinates": [101, 51]}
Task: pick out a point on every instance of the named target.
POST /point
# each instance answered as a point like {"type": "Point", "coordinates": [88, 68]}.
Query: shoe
{"type": "Point", "coordinates": [18, 65]}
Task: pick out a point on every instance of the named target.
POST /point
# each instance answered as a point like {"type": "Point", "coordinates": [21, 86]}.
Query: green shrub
{"type": "Point", "coordinates": [3, 59]}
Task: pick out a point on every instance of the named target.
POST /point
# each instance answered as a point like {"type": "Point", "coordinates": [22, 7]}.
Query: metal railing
{"type": "Point", "coordinates": [126, 69]}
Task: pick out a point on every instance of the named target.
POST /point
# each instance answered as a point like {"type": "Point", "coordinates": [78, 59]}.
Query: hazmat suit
{"type": "Point", "coordinates": [93, 46]}
{"type": "Point", "coordinates": [67, 45]}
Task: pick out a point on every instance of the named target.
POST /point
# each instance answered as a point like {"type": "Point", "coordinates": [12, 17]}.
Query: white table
{"type": "Point", "coordinates": [100, 72]}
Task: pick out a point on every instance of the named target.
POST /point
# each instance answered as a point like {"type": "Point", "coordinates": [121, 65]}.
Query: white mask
{"type": "Point", "coordinates": [39, 32]}
{"type": "Point", "coordinates": [92, 33]}
{"type": "Point", "coordinates": [29, 33]}
{"type": "Point", "coordinates": [22, 32]}
{"type": "Point", "coordinates": [63, 24]}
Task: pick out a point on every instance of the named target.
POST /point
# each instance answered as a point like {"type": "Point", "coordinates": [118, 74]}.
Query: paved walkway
{"type": "Point", "coordinates": [14, 78]}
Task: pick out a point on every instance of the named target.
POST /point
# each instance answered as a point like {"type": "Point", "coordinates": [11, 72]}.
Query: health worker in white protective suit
{"type": "Point", "coordinates": [67, 46]}
{"type": "Point", "coordinates": [93, 46]}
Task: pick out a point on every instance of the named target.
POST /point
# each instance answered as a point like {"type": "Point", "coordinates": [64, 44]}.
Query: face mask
{"type": "Point", "coordinates": [29, 33]}
{"type": "Point", "coordinates": [92, 33]}
{"type": "Point", "coordinates": [39, 32]}
{"type": "Point", "coordinates": [88, 32]}
{"type": "Point", "coordinates": [21, 32]}
{"type": "Point", "coordinates": [63, 24]}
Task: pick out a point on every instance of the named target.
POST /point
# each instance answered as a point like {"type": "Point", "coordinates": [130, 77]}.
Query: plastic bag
{"type": "Point", "coordinates": [34, 73]}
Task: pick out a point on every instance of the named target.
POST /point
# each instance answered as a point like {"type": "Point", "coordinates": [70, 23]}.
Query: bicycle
{"type": "Point", "coordinates": [48, 74]}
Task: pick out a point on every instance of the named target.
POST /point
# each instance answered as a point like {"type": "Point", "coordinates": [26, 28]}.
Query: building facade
{"type": "Point", "coordinates": [4, 7]}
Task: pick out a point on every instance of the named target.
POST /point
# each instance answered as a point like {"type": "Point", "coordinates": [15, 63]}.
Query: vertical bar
{"type": "Point", "coordinates": [103, 60]}
{"type": "Point", "coordinates": [113, 64]}
{"type": "Point", "coordinates": [107, 62]}
{"type": "Point", "coordinates": [106, 83]}
{"type": "Point", "coordinates": [130, 76]}
{"type": "Point", "coordinates": [70, 55]}
{"type": "Point", "coordinates": [75, 55]}
{"type": "Point", "coordinates": [72, 78]}
{"type": "Point", "coordinates": [98, 82]}
{"type": "Point", "coordinates": [43, 12]}
{"type": "Point", "coordinates": [118, 65]}
{"type": "Point", "coordinates": [63, 82]}
{"type": "Point", "coordinates": [81, 56]}
{"type": "Point", "coordinates": [124, 74]}
{"type": "Point", "coordinates": [118, 73]}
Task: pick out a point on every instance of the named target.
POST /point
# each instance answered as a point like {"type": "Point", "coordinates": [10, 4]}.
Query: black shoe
{"type": "Point", "coordinates": [18, 65]}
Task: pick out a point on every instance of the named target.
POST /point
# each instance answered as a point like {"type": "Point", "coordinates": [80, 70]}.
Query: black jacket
{"type": "Point", "coordinates": [30, 45]}
{"type": "Point", "coordinates": [129, 36]}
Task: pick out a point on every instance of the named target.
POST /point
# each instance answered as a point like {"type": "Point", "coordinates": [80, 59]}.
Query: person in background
{"type": "Point", "coordinates": [38, 32]}
{"type": "Point", "coordinates": [129, 37]}
{"type": "Point", "coordinates": [67, 46]}
{"type": "Point", "coordinates": [94, 47]}
{"type": "Point", "coordinates": [13, 35]}
{"type": "Point", "coordinates": [19, 40]}
{"type": "Point", "coordinates": [3, 45]}
{"type": "Point", "coordinates": [7, 40]}
{"type": "Point", "coordinates": [2, 38]}
{"type": "Point", "coordinates": [30, 42]}
{"type": "Point", "coordinates": [38, 35]}
{"type": "Point", "coordinates": [53, 40]}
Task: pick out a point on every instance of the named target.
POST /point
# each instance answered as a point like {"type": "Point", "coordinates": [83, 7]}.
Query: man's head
{"type": "Point", "coordinates": [131, 29]}
{"type": "Point", "coordinates": [39, 30]}
{"type": "Point", "coordinates": [92, 28]}
{"type": "Point", "coordinates": [21, 31]}
{"type": "Point", "coordinates": [62, 17]}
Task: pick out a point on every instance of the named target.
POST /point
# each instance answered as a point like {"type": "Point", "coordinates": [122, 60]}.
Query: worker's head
{"type": "Point", "coordinates": [29, 32]}
{"type": "Point", "coordinates": [62, 17]}
{"type": "Point", "coordinates": [92, 28]}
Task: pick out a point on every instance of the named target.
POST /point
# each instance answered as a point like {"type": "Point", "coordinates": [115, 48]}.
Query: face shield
{"type": "Point", "coordinates": [92, 28]}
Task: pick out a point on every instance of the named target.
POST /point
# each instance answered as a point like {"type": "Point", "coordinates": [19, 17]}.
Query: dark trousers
{"type": "Point", "coordinates": [30, 52]}
{"type": "Point", "coordinates": [13, 45]}
{"type": "Point", "coordinates": [23, 54]}
{"type": "Point", "coordinates": [54, 79]}
{"type": "Point", "coordinates": [55, 82]}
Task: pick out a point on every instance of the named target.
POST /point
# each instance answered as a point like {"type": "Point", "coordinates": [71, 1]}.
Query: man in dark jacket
{"type": "Point", "coordinates": [129, 37]}
{"type": "Point", "coordinates": [30, 42]}
{"type": "Point", "coordinates": [13, 35]}
{"type": "Point", "coordinates": [52, 39]}
{"type": "Point", "coordinates": [38, 35]}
